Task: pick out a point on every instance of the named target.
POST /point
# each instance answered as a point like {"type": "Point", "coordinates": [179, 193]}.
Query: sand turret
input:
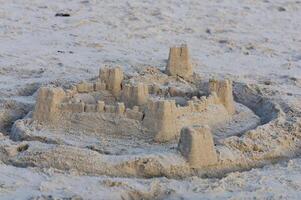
{"type": "Point", "coordinates": [179, 62]}
{"type": "Point", "coordinates": [47, 108]}
{"type": "Point", "coordinates": [134, 95]}
{"type": "Point", "coordinates": [160, 119]}
{"type": "Point", "coordinates": [223, 89]}
{"type": "Point", "coordinates": [197, 147]}
{"type": "Point", "coordinates": [113, 78]}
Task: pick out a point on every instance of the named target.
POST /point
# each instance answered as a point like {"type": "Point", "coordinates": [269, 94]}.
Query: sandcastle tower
{"type": "Point", "coordinates": [134, 95]}
{"type": "Point", "coordinates": [160, 119]}
{"type": "Point", "coordinates": [179, 62]}
{"type": "Point", "coordinates": [47, 108]}
{"type": "Point", "coordinates": [223, 89]}
{"type": "Point", "coordinates": [197, 147]}
{"type": "Point", "coordinates": [113, 78]}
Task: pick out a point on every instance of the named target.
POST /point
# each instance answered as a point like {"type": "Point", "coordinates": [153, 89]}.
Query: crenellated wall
{"type": "Point", "coordinates": [72, 107]}
{"type": "Point", "coordinates": [198, 104]}
{"type": "Point", "coordinates": [101, 107]}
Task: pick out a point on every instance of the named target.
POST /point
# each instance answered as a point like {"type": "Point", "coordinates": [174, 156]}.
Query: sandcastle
{"type": "Point", "coordinates": [153, 123]}
{"type": "Point", "coordinates": [150, 106]}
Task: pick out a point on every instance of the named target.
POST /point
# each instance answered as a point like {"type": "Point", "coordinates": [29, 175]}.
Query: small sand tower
{"type": "Point", "coordinates": [134, 95]}
{"type": "Point", "coordinates": [223, 89]}
{"type": "Point", "coordinates": [179, 62]}
{"type": "Point", "coordinates": [160, 119]}
{"type": "Point", "coordinates": [113, 78]}
{"type": "Point", "coordinates": [47, 106]}
{"type": "Point", "coordinates": [197, 147]}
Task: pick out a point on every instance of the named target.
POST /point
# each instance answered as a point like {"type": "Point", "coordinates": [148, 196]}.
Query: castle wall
{"type": "Point", "coordinates": [198, 105]}
{"type": "Point", "coordinates": [101, 107]}
{"type": "Point", "coordinates": [72, 107]}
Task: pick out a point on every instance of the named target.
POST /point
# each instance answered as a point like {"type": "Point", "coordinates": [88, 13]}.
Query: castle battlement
{"type": "Point", "coordinates": [99, 107]}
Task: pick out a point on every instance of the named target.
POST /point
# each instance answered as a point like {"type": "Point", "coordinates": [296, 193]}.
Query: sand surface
{"type": "Point", "coordinates": [251, 41]}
